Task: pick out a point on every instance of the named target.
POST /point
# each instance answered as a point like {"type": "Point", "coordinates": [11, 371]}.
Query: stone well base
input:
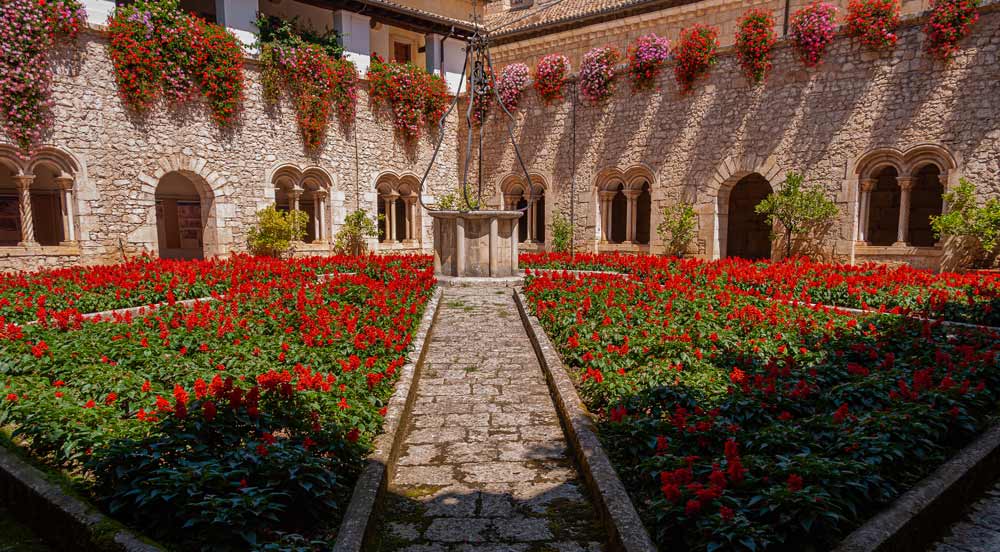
{"type": "Point", "coordinates": [475, 243]}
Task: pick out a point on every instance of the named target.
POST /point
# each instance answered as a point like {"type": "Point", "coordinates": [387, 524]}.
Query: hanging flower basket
{"type": "Point", "coordinates": [646, 58]}
{"type": "Point", "coordinates": [754, 41]}
{"type": "Point", "coordinates": [696, 54]}
{"type": "Point", "coordinates": [949, 23]}
{"type": "Point", "coordinates": [510, 85]}
{"type": "Point", "coordinates": [597, 73]}
{"type": "Point", "coordinates": [812, 29]}
{"type": "Point", "coordinates": [415, 97]}
{"type": "Point", "coordinates": [873, 22]}
{"type": "Point", "coordinates": [29, 30]}
{"type": "Point", "coordinates": [550, 77]}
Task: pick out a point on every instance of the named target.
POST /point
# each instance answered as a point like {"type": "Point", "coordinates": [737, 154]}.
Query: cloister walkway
{"type": "Point", "coordinates": [485, 465]}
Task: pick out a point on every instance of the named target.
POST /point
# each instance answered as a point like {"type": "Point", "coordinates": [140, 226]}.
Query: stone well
{"type": "Point", "coordinates": [475, 243]}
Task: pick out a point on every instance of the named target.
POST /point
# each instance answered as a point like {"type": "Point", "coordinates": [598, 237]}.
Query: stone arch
{"type": "Point", "coordinates": [208, 185]}
{"type": "Point", "coordinates": [748, 235]}
{"type": "Point", "coordinates": [898, 192]}
{"type": "Point", "coordinates": [728, 174]}
{"type": "Point", "coordinates": [398, 202]}
{"type": "Point", "coordinates": [185, 206]}
{"type": "Point", "coordinates": [515, 194]}
{"type": "Point", "coordinates": [306, 189]}
{"type": "Point", "coordinates": [38, 197]}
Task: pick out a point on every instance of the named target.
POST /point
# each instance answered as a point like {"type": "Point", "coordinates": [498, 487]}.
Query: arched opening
{"type": "Point", "coordinates": [522, 223]}
{"type": "Point", "coordinates": [538, 215]}
{"type": "Point", "coordinates": [925, 202]}
{"type": "Point", "coordinates": [643, 213]}
{"type": "Point", "coordinates": [397, 204]}
{"type": "Point", "coordinates": [10, 215]}
{"type": "Point", "coordinates": [180, 218]}
{"type": "Point", "coordinates": [619, 214]}
{"type": "Point", "coordinates": [46, 206]}
{"type": "Point", "coordinates": [748, 235]}
{"type": "Point", "coordinates": [883, 210]}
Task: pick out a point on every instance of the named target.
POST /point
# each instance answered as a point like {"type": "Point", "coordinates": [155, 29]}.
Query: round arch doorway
{"type": "Point", "coordinates": [180, 218]}
{"type": "Point", "coordinates": [748, 235]}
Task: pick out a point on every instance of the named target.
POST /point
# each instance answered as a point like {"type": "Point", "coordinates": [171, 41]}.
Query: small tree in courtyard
{"type": "Point", "coordinates": [276, 230]}
{"type": "Point", "coordinates": [352, 238]}
{"type": "Point", "coordinates": [677, 228]}
{"type": "Point", "coordinates": [965, 219]}
{"type": "Point", "coordinates": [562, 233]}
{"type": "Point", "coordinates": [798, 210]}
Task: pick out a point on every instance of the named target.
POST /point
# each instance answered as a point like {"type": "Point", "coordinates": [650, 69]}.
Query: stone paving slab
{"type": "Point", "coordinates": [485, 465]}
{"type": "Point", "coordinates": [979, 531]}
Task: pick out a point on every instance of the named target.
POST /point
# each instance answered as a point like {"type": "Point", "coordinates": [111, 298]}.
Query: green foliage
{"type": "Point", "coordinates": [797, 209]}
{"type": "Point", "coordinates": [352, 237]}
{"type": "Point", "coordinates": [276, 230]}
{"type": "Point", "coordinates": [283, 32]}
{"type": "Point", "coordinates": [454, 201]}
{"type": "Point", "coordinates": [677, 228]}
{"type": "Point", "coordinates": [562, 233]}
{"type": "Point", "coordinates": [965, 219]}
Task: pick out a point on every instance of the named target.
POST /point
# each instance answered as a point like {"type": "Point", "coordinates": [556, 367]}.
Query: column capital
{"type": "Point", "coordinates": [23, 181]}
{"type": "Point", "coordinates": [390, 197]}
{"type": "Point", "coordinates": [607, 195]}
{"type": "Point", "coordinates": [320, 194]}
{"type": "Point", "coordinates": [295, 193]}
{"type": "Point", "coordinates": [868, 184]}
{"type": "Point", "coordinates": [905, 182]}
{"type": "Point", "coordinates": [632, 194]}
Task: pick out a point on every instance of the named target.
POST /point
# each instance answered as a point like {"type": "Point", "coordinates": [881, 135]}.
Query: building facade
{"type": "Point", "coordinates": [885, 134]}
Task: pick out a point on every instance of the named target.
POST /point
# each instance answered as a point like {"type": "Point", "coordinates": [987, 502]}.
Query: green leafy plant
{"type": "Point", "coordinates": [562, 233]}
{"type": "Point", "coordinates": [967, 220]}
{"type": "Point", "coordinates": [798, 210]}
{"type": "Point", "coordinates": [453, 201]}
{"type": "Point", "coordinates": [285, 32]}
{"type": "Point", "coordinates": [276, 230]}
{"type": "Point", "coordinates": [352, 238]}
{"type": "Point", "coordinates": [677, 228]}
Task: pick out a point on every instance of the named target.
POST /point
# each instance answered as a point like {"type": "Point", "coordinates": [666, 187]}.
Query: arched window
{"type": "Point", "coordinates": [531, 226]}
{"type": "Point", "coordinates": [625, 208]}
{"type": "Point", "coordinates": [398, 208]}
{"type": "Point", "coordinates": [37, 199]}
{"type": "Point", "coordinates": [305, 191]}
{"type": "Point", "coordinates": [748, 235]}
{"type": "Point", "coordinates": [899, 193]}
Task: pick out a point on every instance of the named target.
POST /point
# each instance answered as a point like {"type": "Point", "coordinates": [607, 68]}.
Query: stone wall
{"type": "Point", "coordinates": [722, 14]}
{"type": "Point", "coordinates": [120, 157]}
{"type": "Point", "coordinates": [820, 122]}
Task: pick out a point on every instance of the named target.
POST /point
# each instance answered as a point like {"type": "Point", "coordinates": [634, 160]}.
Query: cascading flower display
{"type": "Point", "coordinates": [812, 29]}
{"type": "Point", "coordinates": [29, 31]}
{"type": "Point", "coordinates": [550, 77]}
{"type": "Point", "coordinates": [755, 39]}
{"type": "Point", "coordinates": [950, 21]}
{"type": "Point", "coordinates": [646, 59]}
{"type": "Point", "coordinates": [317, 82]}
{"type": "Point", "coordinates": [158, 49]}
{"type": "Point", "coordinates": [511, 83]}
{"type": "Point", "coordinates": [481, 104]}
{"type": "Point", "coordinates": [696, 54]}
{"type": "Point", "coordinates": [873, 22]}
{"type": "Point", "coordinates": [598, 73]}
{"type": "Point", "coordinates": [415, 97]}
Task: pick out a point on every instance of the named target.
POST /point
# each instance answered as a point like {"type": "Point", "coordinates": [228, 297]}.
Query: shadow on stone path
{"type": "Point", "coordinates": [979, 531]}
{"type": "Point", "coordinates": [485, 465]}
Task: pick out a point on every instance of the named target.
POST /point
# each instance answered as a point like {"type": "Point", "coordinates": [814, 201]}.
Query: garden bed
{"type": "Point", "coordinates": [739, 422]}
{"type": "Point", "coordinates": [233, 424]}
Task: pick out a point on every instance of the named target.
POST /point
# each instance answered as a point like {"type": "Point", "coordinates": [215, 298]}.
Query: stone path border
{"type": "Point", "coordinates": [621, 520]}
{"type": "Point", "coordinates": [919, 517]}
{"type": "Point", "coordinates": [45, 505]}
{"type": "Point", "coordinates": [140, 309]}
{"type": "Point", "coordinates": [373, 481]}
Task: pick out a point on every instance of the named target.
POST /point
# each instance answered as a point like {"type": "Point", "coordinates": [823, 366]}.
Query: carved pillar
{"type": "Point", "coordinates": [903, 230]}
{"type": "Point", "coordinates": [293, 200]}
{"type": "Point", "coordinates": [23, 183]}
{"type": "Point", "coordinates": [65, 184]}
{"type": "Point", "coordinates": [630, 219]}
{"type": "Point", "coordinates": [532, 218]}
{"type": "Point", "coordinates": [387, 207]}
{"type": "Point", "coordinates": [864, 207]}
{"type": "Point", "coordinates": [319, 213]}
{"type": "Point", "coordinates": [411, 218]}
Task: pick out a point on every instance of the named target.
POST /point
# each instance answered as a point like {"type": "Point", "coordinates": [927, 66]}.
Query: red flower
{"type": "Point", "coordinates": [794, 483]}
{"type": "Point", "coordinates": [208, 410]}
{"type": "Point", "coordinates": [353, 435]}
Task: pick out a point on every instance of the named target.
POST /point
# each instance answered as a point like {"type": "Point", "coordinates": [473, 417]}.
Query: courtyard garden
{"type": "Point", "coordinates": [745, 405]}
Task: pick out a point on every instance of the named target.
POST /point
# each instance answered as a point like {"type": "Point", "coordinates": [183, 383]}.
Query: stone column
{"type": "Point", "coordinates": [606, 198]}
{"type": "Point", "coordinates": [387, 207]}
{"type": "Point", "coordinates": [532, 219]}
{"type": "Point", "coordinates": [411, 218]}
{"type": "Point", "coordinates": [23, 183]}
{"type": "Point", "coordinates": [65, 184]}
{"type": "Point", "coordinates": [391, 212]}
{"type": "Point", "coordinates": [864, 207]}
{"type": "Point", "coordinates": [319, 213]}
{"type": "Point", "coordinates": [905, 187]}
{"type": "Point", "coordinates": [630, 220]}
{"type": "Point", "coordinates": [293, 200]}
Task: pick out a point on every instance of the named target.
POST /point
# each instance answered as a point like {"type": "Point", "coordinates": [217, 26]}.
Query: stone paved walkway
{"type": "Point", "coordinates": [979, 531]}
{"type": "Point", "coordinates": [485, 465]}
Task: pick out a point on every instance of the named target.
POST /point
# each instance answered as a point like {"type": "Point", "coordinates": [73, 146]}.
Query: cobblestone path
{"type": "Point", "coordinates": [485, 465]}
{"type": "Point", "coordinates": [979, 531]}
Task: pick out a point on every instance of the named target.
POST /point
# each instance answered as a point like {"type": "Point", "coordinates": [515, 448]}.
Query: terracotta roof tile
{"type": "Point", "coordinates": [553, 12]}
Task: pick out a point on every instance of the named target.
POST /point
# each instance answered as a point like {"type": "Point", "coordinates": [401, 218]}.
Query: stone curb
{"type": "Point", "coordinates": [137, 310]}
{"type": "Point", "coordinates": [357, 526]}
{"type": "Point", "coordinates": [477, 282]}
{"type": "Point", "coordinates": [916, 519]}
{"type": "Point", "coordinates": [77, 525]}
{"type": "Point", "coordinates": [625, 529]}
